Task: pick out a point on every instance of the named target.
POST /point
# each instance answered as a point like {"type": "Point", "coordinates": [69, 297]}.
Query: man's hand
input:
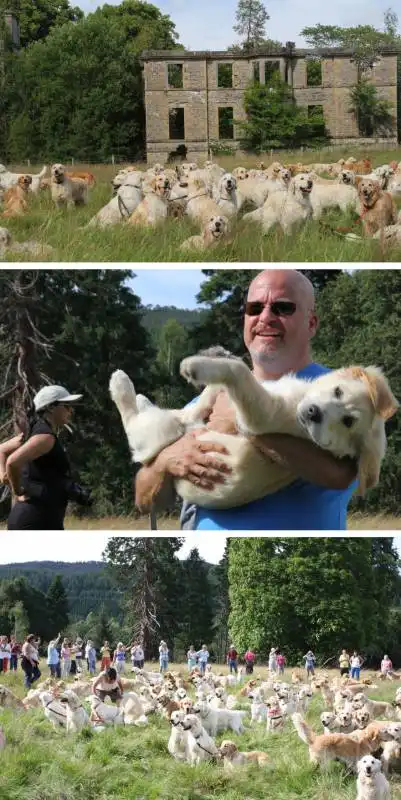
{"type": "Point", "coordinates": [191, 459]}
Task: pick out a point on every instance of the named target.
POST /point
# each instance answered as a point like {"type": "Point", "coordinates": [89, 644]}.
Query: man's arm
{"type": "Point", "coordinates": [307, 460]}
{"type": "Point", "coordinates": [187, 458]}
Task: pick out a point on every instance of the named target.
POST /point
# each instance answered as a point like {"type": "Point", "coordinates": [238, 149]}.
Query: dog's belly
{"type": "Point", "coordinates": [252, 476]}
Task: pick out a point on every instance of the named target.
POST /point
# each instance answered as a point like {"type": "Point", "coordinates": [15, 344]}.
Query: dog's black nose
{"type": "Point", "coordinates": [314, 414]}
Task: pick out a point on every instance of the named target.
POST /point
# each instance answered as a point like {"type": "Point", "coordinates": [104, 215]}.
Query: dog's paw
{"type": "Point", "coordinates": [121, 388]}
{"type": "Point", "coordinates": [202, 371]}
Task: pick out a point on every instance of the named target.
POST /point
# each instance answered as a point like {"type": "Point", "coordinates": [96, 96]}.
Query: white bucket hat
{"type": "Point", "coordinates": [53, 394]}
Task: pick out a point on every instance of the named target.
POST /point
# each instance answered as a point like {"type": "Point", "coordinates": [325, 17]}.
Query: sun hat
{"type": "Point", "coordinates": [53, 394]}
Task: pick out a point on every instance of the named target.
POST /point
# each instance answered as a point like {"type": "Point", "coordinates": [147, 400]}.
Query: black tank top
{"type": "Point", "coordinates": [43, 480]}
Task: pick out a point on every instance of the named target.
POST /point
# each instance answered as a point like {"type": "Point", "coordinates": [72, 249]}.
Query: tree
{"type": "Point", "coordinates": [147, 571]}
{"type": "Point", "coordinates": [274, 119]}
{"type": "Point", "coordinates": [251, 17]}
{"type": "Point", "coordinates": [58, 604]}
{"type": "Point", "coordinates": [103, 630]}
{"type": "Point", "coordinates": [303, 593]}
{"type": "Point", "coordinates": [218, 578]}
{"type": "Point", "coordinates": [79, 91]}
{"type": "Point", "coordinates": [36, 20]}
{"type": "Point", "coordinates": [196, 609]}
{"type": "Point", "coordinates": [372, 112]}
{"type": "Point", "coordinates": [21, 621]}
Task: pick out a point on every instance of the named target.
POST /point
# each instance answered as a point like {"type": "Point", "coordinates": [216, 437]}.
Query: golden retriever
{"type": "Point", "coordinates": [15, 198]}
{"type": "Point", "coordinates": [67, 191]}
{"type": "Point", "coordinates": [154, 208]}
{"type": "Point", "coordinates": [88, 177]}
{"type": "Point", "coordinates": [285, 208]}
{"type": "Point", "coordinates": [371, 783]}
{"type": "Point", "coordinates": [233, 757]}
{"type": "Point", "coordinates": [343, 411]}
{"type": "Point", "coordinates": [377, 208]}
{"type": "Point", "coordinates": [213, 233]}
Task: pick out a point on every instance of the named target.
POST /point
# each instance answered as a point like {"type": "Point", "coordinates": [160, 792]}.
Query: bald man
{"type": "Point", "coordinates": [280, 322]}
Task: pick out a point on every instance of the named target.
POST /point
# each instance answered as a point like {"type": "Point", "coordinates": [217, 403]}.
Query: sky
{"type": "Point", "coordinates": [207, 25]}
{"type": "Point", "coordinates": [87, 546]}
{"type": "Point", "coordinates": [168, 287]}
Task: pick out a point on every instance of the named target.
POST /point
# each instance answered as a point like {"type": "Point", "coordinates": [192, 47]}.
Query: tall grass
{"type": "Point", "coordinates": [316, 241]}
{"type": "Point", "coordinates": [134, 764]}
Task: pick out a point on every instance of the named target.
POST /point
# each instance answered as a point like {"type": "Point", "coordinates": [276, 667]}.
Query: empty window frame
{"type": "Point", "coordinates": [256, 71]}
{"type": "Point", "coordinates": [314, 111]}
{"type": "Point", "coordinates": [176, 123]}
{"type": "Point", "coordinates": [313, 72]}
{"type": "Point", "coordinates": [224, 76]}
{"type": "Point", "coordinates": [272, 68]}
{"type": "Point", "coordinates": [226, 122]}
{"type": "Point", "coordinates": [175, 78]}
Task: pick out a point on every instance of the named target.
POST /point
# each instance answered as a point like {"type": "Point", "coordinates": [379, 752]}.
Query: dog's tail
{"type": "Point", "coordinates": [42, 173]}
{"type": "Point", "coordinates": [303, 730]}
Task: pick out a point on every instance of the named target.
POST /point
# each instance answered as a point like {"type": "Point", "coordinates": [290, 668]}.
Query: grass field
{"type": "Point", "coordinates": [316, 241]}
{"type": "Point", "coordinates": [134, 764]}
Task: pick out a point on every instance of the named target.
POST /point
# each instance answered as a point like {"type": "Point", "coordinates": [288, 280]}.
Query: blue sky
{"type": "Point", "coordinates": [208, 25]}
{"type": "Point", "coordinates": [167, 287]}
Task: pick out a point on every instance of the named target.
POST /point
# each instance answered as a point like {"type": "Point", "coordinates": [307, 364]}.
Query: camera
{"type": "Point", "coordinates": [78, 494]}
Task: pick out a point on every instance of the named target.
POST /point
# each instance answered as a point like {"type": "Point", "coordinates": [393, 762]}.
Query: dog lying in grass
{"type": "Point", "coordinates": [343, 411]}
{"type": "Point", "coordinates": [233, 757]}
{"type": "Point", "coordinates": [214, 232]}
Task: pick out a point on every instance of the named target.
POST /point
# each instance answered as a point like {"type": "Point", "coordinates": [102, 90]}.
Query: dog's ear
{"type": "Point", "coordinates": [152, 183]}
{"type": "Point", "coordinates": [357, 181]}
{"type": "Point", "coordinates": [384, 402]}
{"type": "Point", "coordinates": [370, 462]}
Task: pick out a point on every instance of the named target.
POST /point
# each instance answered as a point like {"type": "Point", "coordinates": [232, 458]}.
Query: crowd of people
{"type": "Point", "coordinates": [66, 657]}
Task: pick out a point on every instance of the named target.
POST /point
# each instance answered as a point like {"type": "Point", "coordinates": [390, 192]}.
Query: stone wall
{"type": "Point", "coordinates": [201, 97]}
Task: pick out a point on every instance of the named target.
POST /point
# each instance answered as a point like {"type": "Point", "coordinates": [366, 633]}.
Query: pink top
{"type": "Point", "coordinates": [280, 660]}
{"type": "Point", "coordinates": [65, 652]}
{"type": "Point", "coordinates": [386, 665]}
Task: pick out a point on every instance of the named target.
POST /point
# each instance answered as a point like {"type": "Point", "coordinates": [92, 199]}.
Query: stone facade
{"type": "Point", "coordinates": [207, 96]}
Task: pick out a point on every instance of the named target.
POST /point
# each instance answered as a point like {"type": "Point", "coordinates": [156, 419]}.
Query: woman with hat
{"type": "Point", "coordinates": [35, 464]}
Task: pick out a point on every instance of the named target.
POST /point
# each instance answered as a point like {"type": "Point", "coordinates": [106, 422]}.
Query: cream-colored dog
{"type": "Point", "coordinates": [8, 178]}
{"type": "Point", "coordinates": [77, 718]}
{"type": "Point", "coordinates": [287, 209]}
{"type": "Point", "coordinates": [67, 191]}
{"type": "Point", "coordinates": [177, 743]}
{"type": "Point", "coordinates": [343, 411]}
{"type": "Point", "coordinates": [200, 746]}
{"type": "Point", "coordinates": [127, 198]}
{"type": "Point", "coordinates": [104, 713]}
{"type": "Point", "coordinates": [371, 783]}
{"type": "Point", "coordinates": [9, 700]}
{"type": "Point", "coordinates": [214, 232]}
{"type": "Point", "coordinates": [54, 710]}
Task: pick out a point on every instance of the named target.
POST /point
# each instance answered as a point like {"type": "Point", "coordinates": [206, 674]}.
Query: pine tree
{"type": "Point", "coordinates": [251, 17]}
{"type": "Point", "coordinates": [57, 605]}
{"type": "Point", "coordinates": [196, 609]}
{"type": "Point", "coordinates": [21, 621]}
{"type": "Point", "coordinates": [218, 579]}
{"type": "Point", "coordinates": [103, 631]}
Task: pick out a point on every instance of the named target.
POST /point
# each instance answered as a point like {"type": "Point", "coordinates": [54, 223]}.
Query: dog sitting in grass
{"type": "Point", "coordinates": [15, 198]}
{"type": "Point", "coordinates": [214, 232]}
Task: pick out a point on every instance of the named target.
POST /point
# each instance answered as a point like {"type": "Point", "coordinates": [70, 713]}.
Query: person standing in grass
{"type": "Point", "coordinates": [53, 658]}
{"type": "Point", "coordinates": [15, 652]}
{"type": "Point", "coordinates": [119, 658]}
{"type": "Point", "coordinates": [137, 656]}
{"type": "Point", "coordinates": [79, 654]}
{"type": "Point", "coordinates": [203, 658]}
{"type": "Point", "coordinates": [356, 663]}
{"type": "Point", "coordinates": [30, 660]}
{"type": "Point", "coordinates": [65, 658]}
{"type": "Point", "coordinates": [105, 653]}
{"type": "Point", "coordinates": [90, 655]}
{"type": "Point", "coordinates": [249, 659]}
{"type": "Point", "coordinates": [272, 661]}
{"type": "Point", "coordinates": [386, 666]}
{"type": "Point", "coordinates": [310, 662]}
{"type": "Point", "coordinates": [281, 662]}
{"type": "Point", "coordinates": [192, 658]}
{"type": "Point", "coordinates": [232, 660]}
{"type": "Point", "coordinates": [6, 653]}
{"type": "Point", "coordinates": [344, 662]}
{"type": "Point", "coordinates": [163, 656]}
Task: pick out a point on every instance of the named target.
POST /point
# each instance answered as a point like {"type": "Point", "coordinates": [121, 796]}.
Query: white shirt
{"type": "Point", "coordinates": [355, 661]}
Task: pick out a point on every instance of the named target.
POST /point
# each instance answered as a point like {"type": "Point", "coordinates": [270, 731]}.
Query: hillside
{"type": "Point", "coordinates": [87, 584]}
{"type": "Point", "coordinates": [154, 317]}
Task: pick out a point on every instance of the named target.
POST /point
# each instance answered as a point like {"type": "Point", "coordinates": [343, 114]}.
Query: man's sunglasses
{"type": "Point", "coordinates": [281, 308]}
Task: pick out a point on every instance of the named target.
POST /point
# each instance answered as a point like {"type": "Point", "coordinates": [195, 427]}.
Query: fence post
{"type": "Point", "coordinates": [29, 162]}
{"type": "Point", "coordinates": [112, 159]}
{"type": "Point", "coordinates": [72, 162]}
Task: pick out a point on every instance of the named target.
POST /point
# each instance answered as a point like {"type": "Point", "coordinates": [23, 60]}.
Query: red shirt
{"type": "Point", "coordinates": [281, 660]}
{"type": "Point", "coordinates": [250, 656]}
{"type": "Point", "coordinates": [232, 654]}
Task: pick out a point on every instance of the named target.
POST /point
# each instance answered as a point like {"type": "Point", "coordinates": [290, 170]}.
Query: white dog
{"type": "Point", "coordinates": [371, 783]}
{"type": "Point", "coordinates": [200, 746]}
{"type": "Point", "coordinates": [66, 191]}
{"type": "Point", "coordinates": [127, 198]}
{"type": "Point", "coordinates": [77, 718]}
{"type": "Point", "coordinates": [215, 720]}
{"type": "Point", "coordinates": [258, 706]}
{"type": "Point", "coordinates": [287, 209]}
{"type": "Point", "coordinates": [343, 411]}
{"type": "Point", "coordinates": [54, 710]}
{"type": "Point", "coordinates": [177, 743]}
{"type": "Point", "coordinates": [8, 178]}
{"type": "Point", "coordinates": [105, 713]}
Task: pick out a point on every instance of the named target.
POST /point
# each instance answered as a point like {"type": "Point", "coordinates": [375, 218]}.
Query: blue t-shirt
{"type": "Point", "coordinates": [300, 506]}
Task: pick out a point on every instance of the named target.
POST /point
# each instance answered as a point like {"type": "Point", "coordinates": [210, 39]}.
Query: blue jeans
{"type": "Point", "coordinates": [92, 666]}
{"type": "Point", "coordinates": [232, 663]}
{"type": "Point", "coordinates": [55, 670]}
{"type": "Point", "coordinates": [355, 672]}
{"type": "Point", "coordinates": [13, 662]}
{"type": "Point", "coordinates": [163, 665]}
{"type": "Point", "coordinates": [202, 667]}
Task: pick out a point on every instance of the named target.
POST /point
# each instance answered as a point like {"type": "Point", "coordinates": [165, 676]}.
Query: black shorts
{"type": "Point", "coordinates": [114, 694]}
{"type": "Point", "coordinates": [29, 516]}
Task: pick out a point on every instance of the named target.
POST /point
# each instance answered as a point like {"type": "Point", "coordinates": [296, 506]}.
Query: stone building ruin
{"type": "Point", "coordinates": [193, 98]}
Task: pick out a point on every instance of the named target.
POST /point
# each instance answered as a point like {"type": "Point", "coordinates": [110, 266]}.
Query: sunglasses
{"type": "Point", "coordinates": [281, 308]}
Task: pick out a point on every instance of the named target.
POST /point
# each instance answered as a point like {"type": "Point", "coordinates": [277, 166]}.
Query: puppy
{"type": "Point", "coordinates": [15, 198]}
{"type": "Point", "coordinates": [67, 191]}
{"type": "Point", "coordinates": [377, 208]}
{"type": "Point", "coordinates": [371, 784]}
{"type": "Point", "coordinates": [213, 233]}
{"type": "Point", "coordinates": [232, 757]}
